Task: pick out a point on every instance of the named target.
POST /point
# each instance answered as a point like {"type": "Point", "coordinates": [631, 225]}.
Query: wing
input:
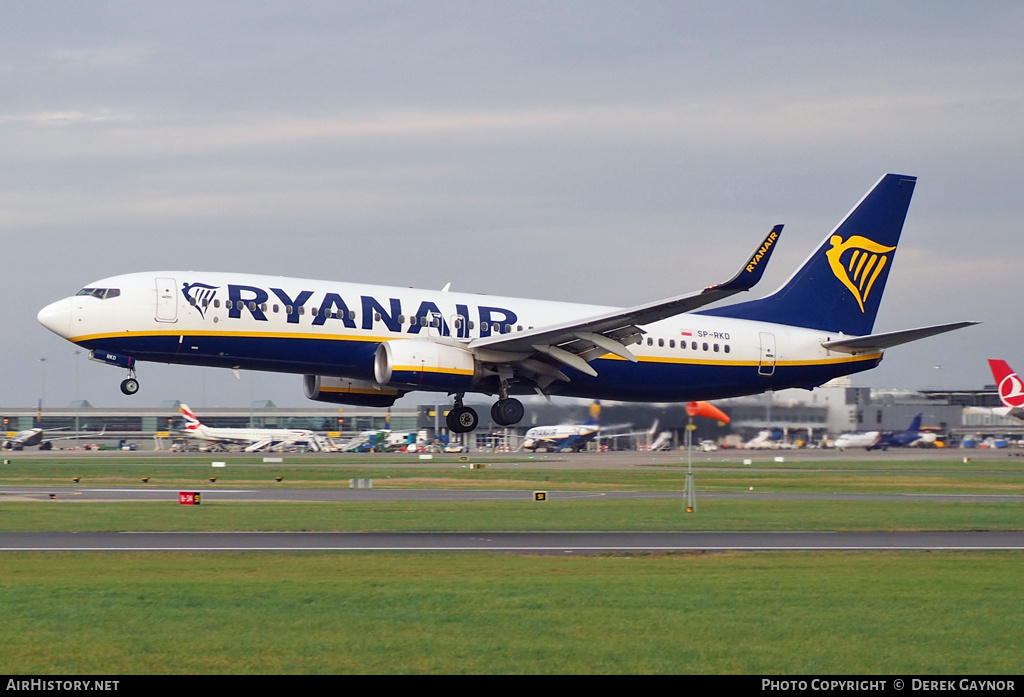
{"type": "Point", "coordinates": [542, 350]}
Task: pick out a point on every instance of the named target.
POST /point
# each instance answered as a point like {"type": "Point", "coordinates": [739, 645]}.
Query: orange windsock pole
{"type": "Point", "coordinates": [706, 410]}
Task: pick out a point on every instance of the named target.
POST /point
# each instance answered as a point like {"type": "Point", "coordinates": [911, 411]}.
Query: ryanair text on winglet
{"type": "Point", "coordinates": [769, 241]}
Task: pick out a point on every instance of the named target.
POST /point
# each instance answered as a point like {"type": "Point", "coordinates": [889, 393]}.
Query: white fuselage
{"type": "Point", "coordinates": [333, 328]}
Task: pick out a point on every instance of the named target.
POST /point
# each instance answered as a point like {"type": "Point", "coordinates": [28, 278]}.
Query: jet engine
{"type": "Point", "coordinates": [347, 391]}
{"type": "Point", "coordinates": [425, 365]}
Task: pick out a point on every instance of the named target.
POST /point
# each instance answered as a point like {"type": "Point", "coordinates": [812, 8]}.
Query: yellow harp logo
{"type": "Point", "coordinates": [861, 267]}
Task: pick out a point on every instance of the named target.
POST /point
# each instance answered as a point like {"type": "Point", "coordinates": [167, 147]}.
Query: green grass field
{"type": "Point", "coordinates": [743, 613]}
{"type": "Point", "coordinates": [766, 613]}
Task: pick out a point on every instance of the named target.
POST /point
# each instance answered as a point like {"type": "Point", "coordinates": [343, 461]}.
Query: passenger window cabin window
{"type": "Point", "coordinates": [228, 304]}
{"type": "Point", "coordinates": [727, 348]}
{"type": "Point", "coordinates": [252, 306]}
{"type": "Point", "coordinates": [302, 309]}
{"type": "Point", "coordinates": [716, 348]}
{"type": "Point", "coordinates": [276, 308]}
{"type": "Point", "coordinates": [705, 346]}
{"type": "Point", "coordinates": [376, 317]}
{"type": "Point", "coordinates": [661, 343]}
{"type": "Point", "coordinates": [216, 302]}
{"type": "Point", "coordinates": [693, 345]}
{"type": "Point", "coordinates": [671, 343]}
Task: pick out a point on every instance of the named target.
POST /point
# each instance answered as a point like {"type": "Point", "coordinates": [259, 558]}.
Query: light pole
{"type": "Point", "coordinates": [78, 401]}
{"type": "Point", "coordinates": [42, 388]}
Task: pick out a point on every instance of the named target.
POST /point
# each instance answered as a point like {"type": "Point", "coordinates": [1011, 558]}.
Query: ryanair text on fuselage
{"type": "Point", "coordinates": [257, 303]}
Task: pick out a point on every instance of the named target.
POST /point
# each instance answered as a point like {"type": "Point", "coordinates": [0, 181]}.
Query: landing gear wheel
{"type": "Point", "coordinates": [129, 386]}
{"type": "Point", "coordinates": [462, 420]}
{"type": "Point", "coordinates": [506, 412]}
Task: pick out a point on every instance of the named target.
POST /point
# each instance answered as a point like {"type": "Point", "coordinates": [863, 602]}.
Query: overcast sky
{"type": "Point", "coordinates": [601, 152]}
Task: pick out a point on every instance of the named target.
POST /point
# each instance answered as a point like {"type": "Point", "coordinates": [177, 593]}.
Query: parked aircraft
{"type": "Point", "coordinates": [29, 437]}
{"type": "Point", "coordinates": [912, 437]}
{"type": "Point", "coordinates": [865, 439]}
{"type": "Point", "coordinates": [254, 439]}
{"type": "Point", "coordinates": [368, 345]}
{"type": "Point", "coordinates": [883, 440]}
{"type": "Point", "coordinates": [564, 436]}
{"type": "Point", "coordinates": [24, 439]}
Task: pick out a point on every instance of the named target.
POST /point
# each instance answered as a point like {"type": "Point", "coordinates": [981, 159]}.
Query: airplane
{"type": "Point", "coordinates": [1011, 389]}
{"type": "Point", "coordinates": [575, 436]}
{"type": "Point", "coordinates": [911, 438]}
{"type": "Point", "coordinates": [867, 440]}
{"type": "Point", "coordinates": [253, 438]}
{"type": "Point", "coordinates": [34, 436]}
{"type": "Point", "coordinates": [564, 436]}
{"type": "Point", "coordinates": [369, 345]}
{"type": "Point", "coordinates": [24, 439]}
{"type": "Point", "coordinates": [883, 440]}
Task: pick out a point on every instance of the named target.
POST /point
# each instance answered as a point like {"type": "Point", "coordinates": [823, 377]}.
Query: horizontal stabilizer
{"type": "Point", "coordinates": [877, 342]}
{"type": "Point", "coordinates": [1013, 412]}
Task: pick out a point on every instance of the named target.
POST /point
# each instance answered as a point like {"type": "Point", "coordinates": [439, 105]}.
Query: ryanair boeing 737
{"type": "Point", "coordinates": [368, 345]}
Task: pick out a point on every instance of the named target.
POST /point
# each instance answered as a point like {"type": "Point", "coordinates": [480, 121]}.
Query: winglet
{"type": "Point", "coordinates": [752, 271]}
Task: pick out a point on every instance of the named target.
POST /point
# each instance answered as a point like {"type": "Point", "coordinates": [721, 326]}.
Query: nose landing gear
{"type": "Point", "coordinates": [130, 385]}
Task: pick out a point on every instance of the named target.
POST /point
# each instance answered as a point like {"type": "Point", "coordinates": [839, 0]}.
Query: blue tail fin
{"type": "Point", "coordinates": [915, 425]}
{"type": "Point", "coordinates": [839, 286]}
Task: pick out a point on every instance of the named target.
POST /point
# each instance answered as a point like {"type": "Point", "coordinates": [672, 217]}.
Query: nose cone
{"type": "Point", "coordinates": [57, 317]}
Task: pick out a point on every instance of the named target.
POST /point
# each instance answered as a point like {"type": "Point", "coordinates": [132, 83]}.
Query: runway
{"type": "Point", "coordinates": [213, 495]}
{"type": "Point", "coordinates": [512, 542]}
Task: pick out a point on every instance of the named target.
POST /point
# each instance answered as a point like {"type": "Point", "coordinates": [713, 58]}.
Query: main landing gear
{"type": "Point", "coordinates": [461, 419]}
{"type": "Point", "coordinates": [508, 411]}
{"type": "Point", "coordinates": [505, 412]}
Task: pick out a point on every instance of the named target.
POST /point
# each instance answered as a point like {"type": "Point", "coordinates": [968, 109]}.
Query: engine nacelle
{"type": "Point", "coordinates": [425, 365]}
{"type": "Point", "coordinates": [358, 393]}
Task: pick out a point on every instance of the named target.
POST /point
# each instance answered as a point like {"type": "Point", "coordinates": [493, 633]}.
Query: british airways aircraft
{"type": "Point", "coordinates": [368, 345]}
{"type": "Point", "coordinates": [252, 438]}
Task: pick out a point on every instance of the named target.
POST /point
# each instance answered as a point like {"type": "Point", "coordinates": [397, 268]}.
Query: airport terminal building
{"type": "Point", "coordinates": [793, 416]}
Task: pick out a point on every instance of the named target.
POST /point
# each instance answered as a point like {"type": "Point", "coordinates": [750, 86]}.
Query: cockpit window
{"type": "Point", "coordinates": [101, 293]}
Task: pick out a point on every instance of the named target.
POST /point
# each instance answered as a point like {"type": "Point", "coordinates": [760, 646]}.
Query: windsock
{"type": "Point", "coordinates": [706, 410]}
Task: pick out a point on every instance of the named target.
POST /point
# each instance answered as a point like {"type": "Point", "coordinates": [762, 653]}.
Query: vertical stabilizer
{"type": "Point", "coordinates": [192, 422]}
{"type": "Point", "coordinates": [839, 287]}
{"type": "Point", "coordinates": [1011, 389]}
